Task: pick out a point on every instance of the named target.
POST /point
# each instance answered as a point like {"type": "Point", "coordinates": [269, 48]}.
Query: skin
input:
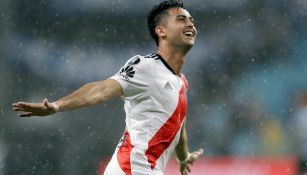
{"type": "Point", "coordinates": [182, 152]}
{"type": "Point", "coordinates": [174, 44]}
{"type": "Point", "coordinates": [89, 94]}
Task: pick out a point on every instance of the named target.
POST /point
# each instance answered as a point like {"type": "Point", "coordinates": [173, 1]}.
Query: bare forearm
{"type": "Point", "coordinates": [182, 149]}
{"type": "Point", "coordinates": [89, 94]}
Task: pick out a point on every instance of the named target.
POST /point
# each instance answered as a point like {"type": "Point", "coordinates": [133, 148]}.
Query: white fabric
{"type": "Point", "coordinates": [151, 93]}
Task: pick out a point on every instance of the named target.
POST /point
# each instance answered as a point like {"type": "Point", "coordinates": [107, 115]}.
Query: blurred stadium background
{"type": "Point", "coordinates": [246, 72]}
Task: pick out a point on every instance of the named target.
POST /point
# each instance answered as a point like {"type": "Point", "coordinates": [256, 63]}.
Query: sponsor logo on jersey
{"type": "Point", "coordinates": [127, 71]}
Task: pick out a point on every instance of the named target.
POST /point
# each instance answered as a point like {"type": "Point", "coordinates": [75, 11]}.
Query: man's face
{"type": "Point", "coordinates": [179, 28]}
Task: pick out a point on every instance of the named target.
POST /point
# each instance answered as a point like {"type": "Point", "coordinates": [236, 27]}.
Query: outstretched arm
{"type": "Point", "coordinates": [89, 94]}
{"type": "Point", "coordinates": [185, 158]}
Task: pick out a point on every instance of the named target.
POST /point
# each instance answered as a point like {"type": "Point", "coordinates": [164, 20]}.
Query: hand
{"type": "Point", "coordinates": [186, 167]}
{"type": "Point", "coordinates": [35, 109]}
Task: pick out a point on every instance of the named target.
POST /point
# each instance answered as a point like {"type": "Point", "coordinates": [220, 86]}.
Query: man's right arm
{"type": "Point", "coordinates": [89, 94]}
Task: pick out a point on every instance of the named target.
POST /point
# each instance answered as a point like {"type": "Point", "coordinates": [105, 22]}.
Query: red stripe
{"type": "Point", "coordinates": [166, 134]}
{"type": "Point", "coordinates": [185, 81]}
{"type": "Point", "coordinates": [123, 154]}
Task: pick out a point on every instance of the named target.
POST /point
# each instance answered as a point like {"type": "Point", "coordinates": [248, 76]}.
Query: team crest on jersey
{"type": "Point", "coordinates": [127, 71]}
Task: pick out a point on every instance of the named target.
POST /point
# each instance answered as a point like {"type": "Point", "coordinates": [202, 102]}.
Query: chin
{"type": "Point", "coordinates": [189, 44]}
{"type": "Point", "coordinates": [185, 44]}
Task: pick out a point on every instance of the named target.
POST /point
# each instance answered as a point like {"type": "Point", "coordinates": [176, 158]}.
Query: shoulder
{"type": "Point", "coordinates": [141, 61]}
{"type": "Point", "coordinates": [153, 56]}
{"type": "Point", "coordinates": [136, 59]}
{"type": "Point", "coordinates": [136, 66]}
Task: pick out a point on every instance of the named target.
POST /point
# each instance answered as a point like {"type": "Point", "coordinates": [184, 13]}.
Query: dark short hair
{"type": "Point", "coordinates": [157, 13]}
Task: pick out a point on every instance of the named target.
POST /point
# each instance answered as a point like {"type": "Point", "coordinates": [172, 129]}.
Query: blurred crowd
{"type": "Point", "coordinates": [247, 78]}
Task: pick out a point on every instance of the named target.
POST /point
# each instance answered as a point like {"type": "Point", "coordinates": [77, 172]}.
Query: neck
{"type": "Point", "coordinates": [174, 57]}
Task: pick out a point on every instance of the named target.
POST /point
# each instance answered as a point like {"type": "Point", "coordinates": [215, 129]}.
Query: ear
{"type": "Point", "coordinates": [160, 31]}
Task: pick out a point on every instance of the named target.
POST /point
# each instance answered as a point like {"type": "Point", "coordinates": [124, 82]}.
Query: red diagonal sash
{"type": "Point", "coordinates": [166, 134]}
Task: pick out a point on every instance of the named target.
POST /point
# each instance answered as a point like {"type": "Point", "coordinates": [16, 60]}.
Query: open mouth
{"type": "Point", "coordinates": [189, 33]}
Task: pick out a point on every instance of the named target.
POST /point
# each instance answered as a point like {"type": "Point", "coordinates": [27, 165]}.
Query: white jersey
{"type": "Point", "coordinates": [155, 106]}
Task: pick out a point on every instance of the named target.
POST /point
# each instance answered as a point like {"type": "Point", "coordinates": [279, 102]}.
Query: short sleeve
{"type": "Point", "coordinates": [133, 76]}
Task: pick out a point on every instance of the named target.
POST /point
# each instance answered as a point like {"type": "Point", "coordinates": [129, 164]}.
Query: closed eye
{"type": "Point", "coordinates": [183, 18]}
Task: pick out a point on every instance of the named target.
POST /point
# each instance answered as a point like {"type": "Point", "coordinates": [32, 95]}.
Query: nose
{"type": "Point", "coordinates": [190, 23]}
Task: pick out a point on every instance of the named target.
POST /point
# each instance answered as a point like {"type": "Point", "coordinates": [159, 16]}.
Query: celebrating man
{"type": "Point", "coordinates": [154, 90]}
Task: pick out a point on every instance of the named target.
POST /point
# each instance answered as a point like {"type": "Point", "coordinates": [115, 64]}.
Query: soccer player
{"type": "Point", "coordinates": [154, 90]}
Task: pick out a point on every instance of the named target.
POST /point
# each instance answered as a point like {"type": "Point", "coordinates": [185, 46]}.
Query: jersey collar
{"type": "Point", "coordinates": [165, 64]}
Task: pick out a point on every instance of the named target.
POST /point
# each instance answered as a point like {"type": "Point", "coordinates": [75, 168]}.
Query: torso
{"type": "Point", "coordinates": [155, 106]}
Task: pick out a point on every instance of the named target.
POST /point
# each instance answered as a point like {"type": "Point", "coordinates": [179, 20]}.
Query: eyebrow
{"type": "Point", "coordinates": [184, 16]}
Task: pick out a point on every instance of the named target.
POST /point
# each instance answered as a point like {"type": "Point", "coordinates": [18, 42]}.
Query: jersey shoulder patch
{"type": "Point", "coordinates": [128, 70]}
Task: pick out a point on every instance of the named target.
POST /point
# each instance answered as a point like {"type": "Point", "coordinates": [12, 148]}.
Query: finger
{"type": "Point", "coordinates": [51, 105]}
{"type": "Point", "coordinates": [188, 168]}
{"type": "Point", "coordinates": [48, 104]}
{"type": "Point", "coordinates": [18, 109]}
{"type": "Point", "coordinates": [45, 102]}
{"type": "Point", "coordinates": [23, 104]}
{"type": "Point", "coordinates": [26, 114]}
{"type": "Point", "coordinates": [183, 170]}
{"type": "Point", "coordinates": [195, 155]}
{"type": "Point", "coordinates": [198, 152]}
{"type": "Point", "coordinates": [16, 104]}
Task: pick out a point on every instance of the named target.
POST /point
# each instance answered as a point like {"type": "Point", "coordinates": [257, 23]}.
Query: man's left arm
{"type": "Point", "coordinates": [185, 158]}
